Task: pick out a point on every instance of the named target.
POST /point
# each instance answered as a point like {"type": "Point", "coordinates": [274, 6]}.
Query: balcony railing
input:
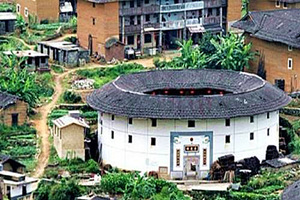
{"type": "Point", "coordinates": [181, 7]}
{"type": "Point", "coordinates": [190, 22]}
{"type": "Point", "coordinates": [178, 24]}
{"type": "Point", "coordinates": [212, 20]}
{"type": "Point", "coordinates": [212, 3]}
{"type": "Point", "coordinates": [132, 29]}
{"type": "Point", "coordinates": [140, 10]}
{"type": "Point", "coordinates": [152, 25]}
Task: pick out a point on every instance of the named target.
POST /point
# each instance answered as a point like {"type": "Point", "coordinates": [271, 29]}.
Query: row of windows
{"type": "Point", "coordinates": [147, 39]}
{"type": "Point", "coordinates": [191, 123]}
{"type": "Point", "coordinates": [278, 3]}
{"type": "Point", "coordinates": [227, 137]}
{"type": "Point", "coordinates": [153, 140]}
{"type": "Point", "coordinates": [19, 10]}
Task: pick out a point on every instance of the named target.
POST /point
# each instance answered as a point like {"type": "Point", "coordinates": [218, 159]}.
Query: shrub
{"type": "Point", "coordinates": [57, 69]}
{"type": "Point", "coordinates": [115, 183]}
{"type": "Point", "coordinates": [71, 97]}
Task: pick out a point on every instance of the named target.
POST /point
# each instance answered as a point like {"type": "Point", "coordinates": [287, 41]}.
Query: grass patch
{"type": "Point", "coordinates": [105, 75]}
{"type": "Point", "coordinates": [57, 69]}
{"type": "Point", "coordinates": [20, 143]}
{"type": "Point", "coordinates": [11, 44]}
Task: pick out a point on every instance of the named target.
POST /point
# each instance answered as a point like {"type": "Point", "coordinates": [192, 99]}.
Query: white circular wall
{"type": "Point", "coordinates": [142, 156]}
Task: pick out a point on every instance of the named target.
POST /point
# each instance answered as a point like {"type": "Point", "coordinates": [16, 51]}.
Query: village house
{"type": "Point", "coordinates": [147, 26]}
{"type": "Point", "coordinates": [40, 10]}
{"type": "Point", "coordinates": [35, 61]}
{"type": "Point", "coordinates": [16, 186]}
{"type": "Point", "coordinates": [13, 111]}
{"type": "Point", "coordinates": [11, 165]}
{"type": "Point", "coordinates": [64, 53]}
{"type": "Point", "coordinates": [275, 36]}
{"type": "Point", "coordinates": [234, 12]}
{"type": "Point", "coordinates": [69, 134]}
{"type": "Point", "coordinates": [7, 22]}
{"type": "Point", "coordinates": [257, 5]}
{"type": "Point", "coordinates": [181, 125]}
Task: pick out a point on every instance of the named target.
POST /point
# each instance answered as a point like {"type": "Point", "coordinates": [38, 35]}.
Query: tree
{"type": "Point", "coordinates": [67, 190]}
{"type": "Point", "coordinates": [18, 81]}
{"type": "Point", "coordinates": [20, 24]}
{"type": "Point", "coordinates": [231, 53]}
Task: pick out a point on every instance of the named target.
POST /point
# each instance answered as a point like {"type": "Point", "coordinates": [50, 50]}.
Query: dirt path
{"type": "Point", "coordinates": [41, 123]}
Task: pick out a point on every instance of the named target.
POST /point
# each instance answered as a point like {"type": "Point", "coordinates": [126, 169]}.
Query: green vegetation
{"type": "Point", "coordinates": [7, 7]}
{"type": "Point", "coordinates": [29, 86]}
{"type": "Point", "coordinates": [135, 187]}
{"type": "Point", "coordinates": [71, 97]}
{"type": "Point", "coordinates": [221, 52]}
{"type": "Point", "coordinates": [57, 69]}
{"type": "Point", "coordinates": [104, 75]}
{"type": "Point", "coordinates": [66, 190]}
{"type": "Point", "coordinates": [20, 142]}
{"type": "Point", "coordinates": [11, 44]}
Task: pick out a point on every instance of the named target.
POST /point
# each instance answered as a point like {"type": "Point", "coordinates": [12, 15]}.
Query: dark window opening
{"type": "Point", "coordinates": [146, 1]}
{"type": "Point", "coordinates": [251, 136]}
{"type": "Point", "coordinates": [191, 123]}
{"type": "Point", "coordinates": [131, 4]}
{"type": "Point", "coordinates": [251, 119]}
{"type": "Point", "coordinates": [94, 21]}
{"type": "Point", "coordinates": [268, 115]}
{"type": "Point", "coordinates": [131, 20]}
{"type": "Point", "coordinates": [112, 117]}
{"type": "Point", "coordinates": [94, 5]}
{"type": "Point", "coordinates": [227, 122]}
{"type": "Point", "coordinates": [153, 141]}
{"type": "Point", "coordinates": [14, 119]}
{"type": "Point", "coordinates": [129, 138]}
{"type": "Point", "coordinates": [148, 38]}
{"type": "Point", "coordinates": [268, 132]}
{"type": "Point", "coordinates": [130, 40]}
{"type": "Point", "coordinates": [147, 18]}
{"type": "Point", "coordinates": [138, 3]}
{"type": "Point", "coordinates": [285, 4]}
{"type": "Point", "coordinates": [112, 134]}
{"type": "Point", "coordinates": [186, 92]}
{"type": "Point", "coordinates": [227, 139]}
{"type": "Point", "coordinates": [129, 120]}
{"type": "Point", "coordinates": [153, 122]}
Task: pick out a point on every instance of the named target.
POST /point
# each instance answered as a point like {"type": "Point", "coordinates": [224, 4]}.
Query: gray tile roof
{"type": "Point", "coordinates": [281, 26]}
{"type": "Point", "coordinates": [292, 192]}
{"type": "Point", "coordinates": [126, 95]}
{"type": "Point", "coordinates": [7, 99]}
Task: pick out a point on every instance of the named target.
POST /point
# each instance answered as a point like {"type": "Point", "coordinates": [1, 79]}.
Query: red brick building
{"type": "Point", "coordinates": [275, 35]}
{"type": "Point", "coordinates": [98, 21]}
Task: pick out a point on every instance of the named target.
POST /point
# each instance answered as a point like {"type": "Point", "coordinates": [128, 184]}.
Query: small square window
{"type": "Point", "coordinates": [147, 18]}
{"type": "Point", "coordinates": [112, 134]}
{"type": "Point", "coordinates": [268, 115]}
{"type": "Point", "coordinates": [290, 63]}
{"type": "Point", "coordinates": [112, 117]}
{"type": "Point", "coordinates": [129, 120]}
{"type": "Point", "coordinates": [268, 132]}
{"type": "Point", "coordinates": [129, 138]}
{"type": "Point", "coordinates": [277, 3]}
{"type": "Point", "coordinates": [146, 1]}
{"type": "Point", "coordinates": [227, 139]}
{"type": "Point", "coordinates": [130, 40]}
{"type": "Point", "coordinates": [251, 136]}
{"type": "Point", "coordinates": [153, 141]}
{"type": "Point", "coordinates": [251, 119]}
{"type": "Point", "coordinates": [290, 48]}
{"type": "Point", "coordinates": [285, 5]}
{"type": "Point", "coordinates": [227, 122]}
{"type": "Point", "coordinates": [94, 21]}
{"type": "Point", "coordinates": [148, 38]}
{"type": "Point", "coordinates": [94, 5]}
{"type": "Point", "coordinates": [191, 123]}
{"type": "Point", "coordinates": [153, 122]}
{"type": "Point", "coordinates": [131, 4]}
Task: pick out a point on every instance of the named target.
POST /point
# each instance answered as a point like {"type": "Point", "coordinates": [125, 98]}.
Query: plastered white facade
{"type": "Point", "coordinates": [142, 156]}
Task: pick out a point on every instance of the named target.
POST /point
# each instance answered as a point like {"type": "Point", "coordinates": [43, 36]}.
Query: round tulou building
{"type": "Point", "coordinates": [180, 121]}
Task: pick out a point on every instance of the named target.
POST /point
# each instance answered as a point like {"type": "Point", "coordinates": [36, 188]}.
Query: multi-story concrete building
{"type": "Point", "coordinates": [46, 10]}
{"type": "Point", "coordinates": [148, 25]}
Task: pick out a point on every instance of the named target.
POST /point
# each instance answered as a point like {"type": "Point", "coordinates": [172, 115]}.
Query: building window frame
{"type": "Point", "coordinates": [154, 122]}
{"type": "Point", "coordinates": [227, 122]}
{"type": "Point", "coordinates": [94, 5]}
{"type": "Point", "coordinates": [130, 139]}
{"type": "Point", "coordinates": [18, 8]}
{"type": "Point", "coordinates": [268, 132]}
{"type": "Point", "coordinates": [252, 136]}
{"type": "Point", "coordinates": [148, 38]}
{"type": "Point", "coordinates": [251, 119]}
{"type": "Point", "coordinates": [227, 139]}
{"type": "Point", "coordinates": [112, 117]}
{"type": "Point", "coordinates": [130, 121]}
{"type": "Point", "coordinates": [112, 135]}
{"type": "Point", "coordinates": [290, 48]}
{"type": "Point", "coordinates": [191, 124]}
{"type": "Point", "coordinates": [94, 21]}
{"type": "Point", "coordinates": [153, 141]}
{"type": "Point", "coordinates": [284, 5]}
{"type": "Point", "coordinates": [131, 40]}
{"type": "Point", "coordinates": [277, 4]}
{"type": "Point", "coordinates": [268, 115]}
{"type": "Point", "coordinates": [290, 63]}
{"type": "Point", "coordinates": [26, 12]}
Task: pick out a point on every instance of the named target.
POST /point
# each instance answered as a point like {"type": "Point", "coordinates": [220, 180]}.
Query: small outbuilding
{"type": "Point", "coordinates": [13, 111]}
{"type": "Point", "coordinates": [68, 134]}
{"type": "Point", "coordinates": [7, 22]}
{"type": "Point", "coordinates": [64, 53]}
{"type": "Point", "coordinates": [35, 61]}
{"type": "Point", "coordinates": [114, 49]}
{"type": "Point", "coordinates": [11, 165]}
